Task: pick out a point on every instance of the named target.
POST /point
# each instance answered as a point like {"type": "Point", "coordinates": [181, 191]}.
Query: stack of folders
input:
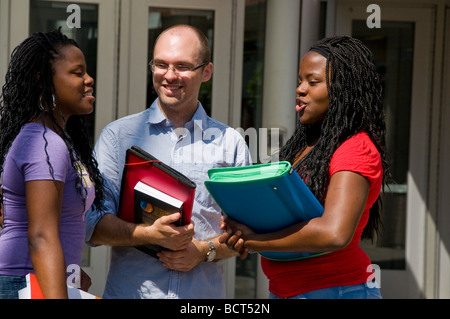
{"type": "Point", "coordinates": [265, 197]}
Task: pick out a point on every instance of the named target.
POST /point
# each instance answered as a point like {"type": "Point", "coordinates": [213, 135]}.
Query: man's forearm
{"type": "Point", "coordinates": [113, 231]}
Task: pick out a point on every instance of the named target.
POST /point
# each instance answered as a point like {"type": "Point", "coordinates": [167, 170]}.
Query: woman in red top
{"type": "Point", "coordinates": [339, 150]}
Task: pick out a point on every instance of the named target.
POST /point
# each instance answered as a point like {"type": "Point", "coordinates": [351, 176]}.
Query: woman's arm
{"type": "Point", "coordinates": [345, 201]}
{"type": "Point", "coordinates": [1, 209]}
{"type": "Point", "coordinates": [44, 202]}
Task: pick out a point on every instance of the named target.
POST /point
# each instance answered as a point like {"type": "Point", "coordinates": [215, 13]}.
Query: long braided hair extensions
{"type": "Point", "coordinates": [355, 97]}
{"type": "Point", "coordinates": [28, 89]}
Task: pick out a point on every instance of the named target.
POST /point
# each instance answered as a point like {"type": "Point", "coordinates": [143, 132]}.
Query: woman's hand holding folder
{"type": "Point", "coordinates": [234, 236]}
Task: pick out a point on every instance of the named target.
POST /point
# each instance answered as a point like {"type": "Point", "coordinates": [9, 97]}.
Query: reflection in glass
{"type": "Point", "coordinates": [160, 19]}
{"type": "Point", "coordinates": [392, 47]}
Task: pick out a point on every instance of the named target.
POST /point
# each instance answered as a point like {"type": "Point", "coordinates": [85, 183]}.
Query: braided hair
{"type": "Point", "coordinates": [28, 86]}
{"type": "Point", "coordinates": [355, 104]}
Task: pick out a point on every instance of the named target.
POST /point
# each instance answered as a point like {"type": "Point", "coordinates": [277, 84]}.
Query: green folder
{"type": "Point", "coordinates": [265, 197]}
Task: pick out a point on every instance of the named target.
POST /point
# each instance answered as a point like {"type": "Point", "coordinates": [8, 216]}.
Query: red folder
{"type": "Point", "coordinates": [143, 167]}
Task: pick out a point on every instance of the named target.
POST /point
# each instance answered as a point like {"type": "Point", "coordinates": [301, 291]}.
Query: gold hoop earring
{"type": "Point", "coordinates": [55, 104]}
{"type": "Point", "coordinates": [41, 107]}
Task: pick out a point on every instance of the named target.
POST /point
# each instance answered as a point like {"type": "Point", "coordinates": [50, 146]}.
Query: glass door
{"type": "Point", "coordinates": [404, 67]}
{"type": "Point", "coordinates": [80, 20]}
{"type": "Point", "coordinates": [147, 19]}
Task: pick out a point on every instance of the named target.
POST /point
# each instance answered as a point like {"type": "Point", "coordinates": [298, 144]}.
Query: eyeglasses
{"type": "Point", "coordinates": [162, 68]}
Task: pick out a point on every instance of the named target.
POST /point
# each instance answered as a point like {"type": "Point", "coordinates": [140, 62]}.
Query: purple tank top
{"type": "Point", "coordinates": [27, 161]}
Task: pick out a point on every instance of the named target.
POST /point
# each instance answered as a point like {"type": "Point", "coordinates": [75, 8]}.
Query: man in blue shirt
{"type": "Point", "coordinates": [177, 131]}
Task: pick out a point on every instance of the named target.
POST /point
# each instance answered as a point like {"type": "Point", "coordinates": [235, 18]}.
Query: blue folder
{"type": "Point", "coordinates": [265, 197]}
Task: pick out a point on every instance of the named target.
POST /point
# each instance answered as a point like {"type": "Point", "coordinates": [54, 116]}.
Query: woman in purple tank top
{"type": "Point", "coordinates": [48, 173]}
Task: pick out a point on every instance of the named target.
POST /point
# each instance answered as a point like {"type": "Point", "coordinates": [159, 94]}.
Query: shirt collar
{"type": "Point", "coordinates": [156, 116]}
{"type": "Point", "coordinates": [199, 119]}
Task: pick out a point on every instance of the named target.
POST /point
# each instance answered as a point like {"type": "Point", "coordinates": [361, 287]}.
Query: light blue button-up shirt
{"type": "Point", "coordinates": [202, 144]}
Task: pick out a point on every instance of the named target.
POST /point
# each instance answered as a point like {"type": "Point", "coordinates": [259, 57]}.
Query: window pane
{"type": "Point", "coordinates": [252, 77]}
{"type": "Point", "coordinates": [392, 47]}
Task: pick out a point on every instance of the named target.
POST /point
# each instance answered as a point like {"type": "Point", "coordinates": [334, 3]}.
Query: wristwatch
{"type": "Point", "coordinates": [211, 254]}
